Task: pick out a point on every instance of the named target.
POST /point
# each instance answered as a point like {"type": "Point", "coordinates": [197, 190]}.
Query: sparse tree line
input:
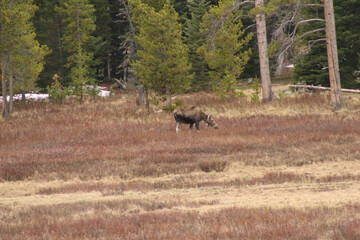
{"type": "Point", "coordinates": [172, 46]}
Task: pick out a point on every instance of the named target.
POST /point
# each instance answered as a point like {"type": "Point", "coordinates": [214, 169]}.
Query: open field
{"type": "Point", "coordinates": [110, 170]}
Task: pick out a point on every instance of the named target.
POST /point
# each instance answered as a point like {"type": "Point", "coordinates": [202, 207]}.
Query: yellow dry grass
{"type": "Point", "coordinates": [296, 195]}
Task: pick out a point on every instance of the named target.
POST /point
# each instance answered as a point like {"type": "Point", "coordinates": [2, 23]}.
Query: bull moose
{"type": "Point", "coordinates": [191, 116]}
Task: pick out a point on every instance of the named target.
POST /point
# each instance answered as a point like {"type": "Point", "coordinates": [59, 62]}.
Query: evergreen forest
{"type": "Point", "coordinates": [168, 46]}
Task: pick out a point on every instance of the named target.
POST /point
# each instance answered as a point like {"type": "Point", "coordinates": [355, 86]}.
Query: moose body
{"type": "Point", "coordinates": [192, 116]}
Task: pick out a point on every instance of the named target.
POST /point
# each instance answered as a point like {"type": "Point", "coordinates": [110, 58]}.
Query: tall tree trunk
{"type": "Point", "coordinates": [11, 83]}
{"type": "Point", "coordinates": [168, 97]}
{"type": "Point", "coordinates": [108, 62]}
{"type": "Point", "coordinates": [61, 50]}
{"type": "Point", "coordinates": [11, 89]}
{"type": "Point", "coordinates": [263, 55]}
{"type": "Point", "coordinates": [61, 55]}
{"type": "Point", "coordinates": [5, 110]}
{"type": "Point", "coordinates": [125, 75]}
{"type": "Point", "coordinates": [129, 45]}
{"type": "Point", "coordinates": [23, 97]}
{"type": "Point", "coordinates": [331, 45]}
{"type": "Point", "coordinates": [140, 98]}
{"type": "Point", "coordinates": [147, 102]}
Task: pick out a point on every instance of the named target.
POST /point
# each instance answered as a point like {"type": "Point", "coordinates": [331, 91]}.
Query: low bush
{"type": "Point", "coordinates": [213, 165]}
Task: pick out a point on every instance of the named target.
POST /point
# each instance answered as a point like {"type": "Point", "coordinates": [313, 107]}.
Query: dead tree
{"type": "Point", "coordinates": [331, 45]}
{"type": "Point", "coordinates": [129, 47]}
{"type": "Point", "coordinates": [285, 34]}
{"type": "Point", "coordinates": [320, 88]}
{"type": "Point", "coordinates": [286, 41]}
{"type": "Point", "coordinates": [263, 53]}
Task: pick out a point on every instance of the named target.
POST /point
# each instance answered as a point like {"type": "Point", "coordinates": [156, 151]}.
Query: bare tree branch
{"type": "Point", "coordinates": [311, 20]}
{"type": "Point", "coordinates": [308, 33]}
{"type": "Point", "coordinates": [312, 42]}
{"type": "Point", "coordinates": [289, 43]}
{"type": "Point", "coordinates": [313, 5]}
{"type": "Point", "coordinates": [250, 26]}
{"type": "Point", "coordinates": [285, 33]}
{"type": "Point", "coordinates": [129, 44]}
{"type": "Point", "coordinates": [290, 14]}
{"type": "Point", "coordinates": [304, 22]}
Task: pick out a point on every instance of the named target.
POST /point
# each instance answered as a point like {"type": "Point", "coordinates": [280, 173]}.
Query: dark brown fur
{"type": "Point", "coordinates": [192, 116]}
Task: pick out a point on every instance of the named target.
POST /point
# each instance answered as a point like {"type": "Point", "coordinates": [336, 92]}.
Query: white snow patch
{"type": "Point", "coordinates": [103, 92]}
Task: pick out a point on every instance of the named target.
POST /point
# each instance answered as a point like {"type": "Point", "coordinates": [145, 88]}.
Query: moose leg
{"type": "Point", "coordinates": [177, 127]}
{"type": "Point", "coordinates": [197, 126]}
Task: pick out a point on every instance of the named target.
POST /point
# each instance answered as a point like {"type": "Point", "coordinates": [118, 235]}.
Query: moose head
{"type": "Point", "coordinates": [211, 122]}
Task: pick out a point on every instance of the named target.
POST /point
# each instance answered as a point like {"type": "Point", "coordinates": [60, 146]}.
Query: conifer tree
{"type": "Point", "coordinates": [229, 54]}
{"type": "Point", "coordinates": [128, 45]}
{"type": "Point", "coordinates": [79, 21]}
{"type": "Point", "coordinates": [21, 55]}
{"type": "Point", "coordinates": [195, 39]}
{"type": "Point", "coordinates": [49, 30]}
{"type": "Point", "coordinates": [28, 63]}
{"type": "Point", "coordinates": [103, 32]}
{"type": "Point", "coordinates": [162, 58]}
{"type": "Point", "coordinates": [156, 4]}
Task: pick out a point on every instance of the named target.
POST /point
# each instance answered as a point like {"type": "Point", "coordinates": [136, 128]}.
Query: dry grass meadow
{"type": "Point", "coordinates": [107, 169]}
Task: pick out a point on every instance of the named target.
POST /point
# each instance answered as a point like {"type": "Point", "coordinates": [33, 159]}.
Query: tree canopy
{"type": "Point", "coordinates": [164, 45]}
{"type": "Point", "coordinates": [21, 56]}
{"type": "Point", "coordinates": [162, 63]}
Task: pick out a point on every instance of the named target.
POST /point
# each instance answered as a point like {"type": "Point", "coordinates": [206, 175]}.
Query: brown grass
{"type": "Point", "coordinates": [100, 222]}
{"type": "Point", "coordinates": [115, 148]}
{"type": "Point", "coordinates": [49, 141]}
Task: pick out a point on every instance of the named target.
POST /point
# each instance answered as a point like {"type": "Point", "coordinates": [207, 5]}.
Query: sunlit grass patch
{"type": "Point", "coordinates": [93, 221]}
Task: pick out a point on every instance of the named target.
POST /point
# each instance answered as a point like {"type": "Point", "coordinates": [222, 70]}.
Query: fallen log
{"type": "Point", "coordinates": [324, 88]}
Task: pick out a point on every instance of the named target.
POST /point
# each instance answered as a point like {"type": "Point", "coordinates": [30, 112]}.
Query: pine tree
{"type": "Point", "coordinates": [229, 54]}
{"type": "Point", "coordinates": [195, 39]}
{"type": "Point", "coordinates": [181, 7]}
{"type": "Point", "coordinates": [103, 32]}
{"type": "Point", "coordinates": [49, 31]}
{"type": "Point", "coordinates": [21, 55]}
{"type": "Point", "coordinates": [79, 21]}
{"type": "Point", "coordinates": [156, 4]}
{"type": "Point", "coordinates": [162, 58]}
{"type": "Point", "coordinates": [347, 17]}
{"type": "Point", "coordinates": [29, 63]}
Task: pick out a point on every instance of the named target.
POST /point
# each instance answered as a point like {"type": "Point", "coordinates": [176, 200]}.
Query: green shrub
{"type": "Point", "coordinates": [177, 103]}
{"type": "Point", "coordinates": [57, 92]}
{"type": "Point", "coordinates": [256, 86]}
